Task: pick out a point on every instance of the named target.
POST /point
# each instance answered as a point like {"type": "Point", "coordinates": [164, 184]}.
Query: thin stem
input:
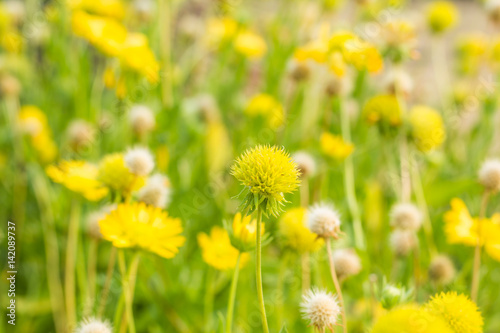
{"type": "Point", "coordinates": [349, 184]}
{"type": "Point", "coordinates": [71, 249]}
{"type": "Point", "coordinates": [405, 171]}
{"type": "Point", "coordinates": [209, 297]}
{"type": "Point", "coordinates": [477, 251]}
{"type": "Point", "coordinates": [258, 271]}
{"type": "Point", "coordinates": [128, 282]}
{"type": "Point", "coordinates": [232, 295]}
{"type": "Point", "coordinates": [306, 272]}
{"type": "Point", "coordinates": [91, 273]}
{"type": "Point", "coordinates": [165, 49]}
{"type": "Point", "coordinates": [336, 283]}
{"type": "Point", "coordinates": [107, 283]}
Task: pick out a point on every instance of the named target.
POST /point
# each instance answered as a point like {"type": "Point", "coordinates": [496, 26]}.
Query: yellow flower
{"type": "Point", "coordinates": [295, 234]}
{"type": "Point", "coordinates": [268, 107]}
{"type": "Point", "coordinates": [383, 109]}
{"type": "Point", "coordinates": [113, 172]}
{"type": "Point", "coordinates": [399, 32]}
{"type": "Point", "coordinates": [410, 319]}
{"type": "Point", "coordinates": [244, 232]}
{"type": "Point", "coordinates": [221, 29]}
{"type": "Point", "coordinates": [461, 228]}
{"type": "Point", "coordinates": [471, 51]}
{"type": "Point", "coordinates": [269, 173]}
{"type": "Point", "coordinates": [363, 55]}
{"type": "Point", "coordinates": [136, 55]}
{"type": "Point", "coordinates": [79, 177]}
{"type": "Point", "coordinates": [316, 50]}
{"type": "Point", "coordinates": [441, 16]}
{"type": "Point", "coordinates": [334, 146]}
{"type": "Point", "coordinates": [111, 8]}
{"type": "Point", "coordinates": [218, 148]}
{"type": "Point", "coordinates": [138, 225]}
{"type": "Point", "coordinates": [217, 250]}
{"type": "Point", "coordinates": [458, 311]}
{"type": "Point", "coordinates": [250, 44]}
{"type": "Point", "coordinates": [427, 127]}
{"type": "Point", "coordinates": [33, 122]}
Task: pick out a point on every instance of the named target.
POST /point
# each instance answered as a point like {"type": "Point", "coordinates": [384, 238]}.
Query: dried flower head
{"type": "Point", "coordinates": [441, 270]}
{"type": "Point", "coordinates": [81, 134]}
{"type": "Point", "coordinates": [305, 163]}
{"type": "Point", "coordinates": [403, 241]}
{"type": "Point", "coordinates": [321, 309]}
{"type": "Point", "coordinates": [346, 262]}
{"type": "Point", "coordinates": [406, 216]}
{"type": "Point", "coordinates": [489, 175]}
{"type": "Point", "coordinates": [324, 220]}
{"type": "Point", "coordinates": [93, 325]}
{"type": "Point", "coordinates": [156, 192]}
{"type": "Point", "coordinates": [139, 161]}
{"type": "Point", "coordinates": [268, 172]}
{"type": "Point", "coordinates": [458, 311]}
{"type": "Point", "coordinates": [141, 119]}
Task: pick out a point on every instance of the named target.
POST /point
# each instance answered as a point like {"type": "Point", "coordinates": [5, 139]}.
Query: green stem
{"type": "Point", "coordinates": [349, 183]}
{"type": "Point", "coordinates": [209, 297]}
{"type": "Point", "coordinates": [336, 283]}
{"type": "Point", "coordinates": [128, 282]}
{"type": "Point", "coordinates": [165, 49]}
{"type": "Point", "coordinates": [232, 295]}
{"type": "Point", "coordinates": [107, 283]}
{"type": "Point", "coordinates": [477, 251]}
{"type": "Point", "coordinates": [258, 271]}
{"type": "Point", "coordinates": [91, 274]}
{"type": "Point", "coordinates": [71, 251]}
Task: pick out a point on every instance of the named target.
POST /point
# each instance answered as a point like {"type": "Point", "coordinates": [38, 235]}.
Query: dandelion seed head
{"type": "Point", "coordinates": [489, 175]}
{"type": "Point", "coordinates": [93, 325]}
{"type": "Point", "coordinates": [139, 161]}
{"type": "Point", "coordinates": [305, 163]}
{"type": "Point", "coordinates": [156, 192]}
{"type": "Point", "coordinates": [141, 119]}
{"type": "Point", "coordinates": [346, 262]}
{"type": "Point", "coordinates": [406, 216]}
{"type": "Point", "coordinates": [441, 270]}
{"type": "Point", "coordinates": [320, 308]}
{"type": "Point", "coordinates": [324, 220]}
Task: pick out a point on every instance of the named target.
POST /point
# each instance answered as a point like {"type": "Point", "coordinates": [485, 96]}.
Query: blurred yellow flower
{"type": "Point", "coordinates": [399, 32]}
{"type": "Point", "coordinates": [268, 172]}
{"type": "Point", "coordinates": [218, 148]}
{"type": "Point", "coordinates": [33, 122]}
{"type": "Point", "coordinates": [461, 228]}
{"type": "Point", "coordinates": [294, 233]}
{"type": "Point", "coordinates": [217, 250]}
{"type": "Point", "coordinates": [458, 311]}
{"type": "Point", "coordinates": [138, 225]}
{"type": "Point", "coordinates": [427, 128]}
{"type": "Point", "coordinates": [410, 319]}
{"type": "Point", "coordinates": [244, 232]}
{"type": "Point", "coordinates": [266, 106]}
{"type": "Point", "coordinates": [441, 16]}
{"type": "Point", "coordinates": [383, 109]}
{"type": "Point", "coordinates": [136, 55]}
{"type": "Point", "coordinates": [250, 44]}
{"type": "Point", "coordinates": [334, 146]}
{"type": "Point", "coordinates": [79, 177]}
{"type": "Point", "coordinates": [111, 8]}
{"type": "Point", "coordinates": [113, 172]}
{"type": "Point", "coordinates": [471, 51]}
{"type": "Point", "coordinates": [221, 29]}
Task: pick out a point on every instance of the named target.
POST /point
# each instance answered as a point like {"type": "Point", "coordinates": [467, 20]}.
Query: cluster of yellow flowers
{"type": "Point", "coordinates": [33, 123]}
{"type": "Point", "coordinates": [98, 22]}
{"type": "Point", "coordinates": [340, 49]}
{"type": "Point", "coordinates": [227, 31]}
{"type": "Point", "coordinates": [444, 313]}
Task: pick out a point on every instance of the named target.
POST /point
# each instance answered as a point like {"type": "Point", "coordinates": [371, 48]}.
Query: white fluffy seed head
{"type": "Point", "coordinates": [323, 220]}
{"type": "Point", "coordinates": [441, 270]}
{"type": "Point", "coordinates": [81, 134]}
{"type": "Point", "coordinates": [406, 216]}
{"type": "Point", "coordinates": [398, 82]}
{"type": "Point", "coordinates": [93, 325]}
{"type": "Point", "coordinates": [320, 308]}
{"type": "Point", "coordinates": [156, 192]}
{"type": "Point", "coordinates": [142, 119]}
{"type": "Point", "coordinates": [346, 263]}
{"type": "Point", "coordinates": [139, 161]}
{"type": "Point", "coordinates": [402, 242]}
{"type": "Point", "coordinates": [305, 163]}
{"type": "Point", "coordinates": [489, 175]}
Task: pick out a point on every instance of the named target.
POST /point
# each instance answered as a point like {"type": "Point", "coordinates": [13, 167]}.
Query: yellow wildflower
{"type": "Point", "coordinates": [138, 225]}
{"type": "Point", "coordinates": [334, 146]}
{"type": "Point", "coordinates": [441, 16]}
{"type": "Point", "coordinates": [268, 107]}
{"type": "Point", "coordinates": [250, 44]}
{"type": "Point", "coordinates": [383, 109]}
{"type": "Point", "coordinates": [79, 177]}
{"type": "Point", "coordinates": [295, 234]}
{"type": "Point", "coordinates": [221, 29]}
{"type": "Point", "coordinates": [244, 232]}
{"type": "Point", "coordinates": [461, 228]}
{"type": "Point", "coordinates": [217, 250]}
{"type": "Point", "coordinates": [113, 172]}
{"type": "Point", "coordinates": [218, 148]}
{"type": "Point", "coordinates": [427, 127]}
{"type": "Point", "coordinates": [268, 172]}
{"type": "Point", "coordinates": [458, 311]}
{"type": "Point", "coordinates": [399, 32]}
{"type": "Point", "coordinates": [110, 8]}
{"type": "Point", "coordinates": [471, 51]}
{"type": "Point", "coordinates": [136, 55]}
{"type": "Point", "coordinates": [410, 319]}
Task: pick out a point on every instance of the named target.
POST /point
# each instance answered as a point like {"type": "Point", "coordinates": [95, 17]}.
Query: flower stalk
{"type": "Point", "coordinates": [477, 250]}
{"type": "Point", "coordinates": [258, 271]}
{"type": "Point", "coordinates": [232, 295]}
{"type": "Point", "coordinates": [336, 283]}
